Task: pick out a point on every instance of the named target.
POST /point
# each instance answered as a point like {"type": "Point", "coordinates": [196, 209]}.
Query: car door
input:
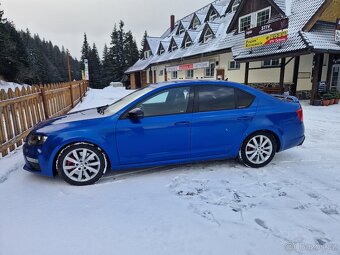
{"type": "Point", "coordinates": [164, 132]}
{"type": "Point", "coordinates": [221, 116]}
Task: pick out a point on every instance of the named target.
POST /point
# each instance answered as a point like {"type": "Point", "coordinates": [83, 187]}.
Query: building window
{"type": "Point", "coordinates": [189, 74]}
{"type": "Point", "coordinates": [233, 65]}
{"type": "Point", "coordinates": [174, 75]}
{"type": "Point", "coordinates": [254, 19]}
{"type": "Point", "coordinates": [208, 35]}
{"type": "Point", "coordinates": [147, 54]}
{"type": "Point", "coordinates": [263, 17]}
{"type": "Point", "coordinates": [173, 46]}
{"type": "Point", "coordinates": [271, 62]}
{"type": "Point", "coordinates": [181, 29]}
{"type": "Point", "coordinates": [161, 72]}
{"type": "Point", "coordinates": [235, 5]}
{"type": "Point", "coordinates": [213, 16]}
{"type": "Point", "coordinates": [245, 23]}
{"type": "Point", "coordinates": [188, 42]}
{"type": "Point", "coordinates": [161, 50]}
{"type": "Point", "coordinates": [210, 71]}
{"type": "Point", "coordinates": [196, 23]}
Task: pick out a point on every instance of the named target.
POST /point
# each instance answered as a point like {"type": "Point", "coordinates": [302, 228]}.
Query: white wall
{"type": "Point", "coordinates": [264, 75]}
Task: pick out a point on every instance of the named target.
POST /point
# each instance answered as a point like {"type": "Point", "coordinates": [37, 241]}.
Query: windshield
{"type": "Point", "coordinates": [120, 104]}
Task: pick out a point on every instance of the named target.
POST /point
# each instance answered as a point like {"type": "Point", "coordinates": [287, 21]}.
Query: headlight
{"type": "Point", "coordinates": [34, 139]}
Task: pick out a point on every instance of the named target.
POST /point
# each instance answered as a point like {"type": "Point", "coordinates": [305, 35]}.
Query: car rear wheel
{"type": "Point", "coordinates": [258, 150]}
{"type": "Point", "coordinates": [81, 164]}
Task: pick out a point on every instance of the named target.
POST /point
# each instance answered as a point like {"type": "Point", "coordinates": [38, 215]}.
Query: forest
{"type": "Point", "coordinates": [26, 58]}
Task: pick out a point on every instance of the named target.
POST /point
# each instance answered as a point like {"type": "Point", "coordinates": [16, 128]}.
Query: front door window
{"type": "Point", "coordinates": [168, 102]}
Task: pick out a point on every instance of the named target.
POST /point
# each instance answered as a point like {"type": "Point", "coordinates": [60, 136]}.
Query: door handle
{"type": "Point", "coordinates": [245, 118]}
{"type": "Point", "coordinates": [182, 123]}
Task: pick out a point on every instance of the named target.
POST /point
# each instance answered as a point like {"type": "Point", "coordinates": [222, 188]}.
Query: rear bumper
{"type": "Point", "coordinates": [302, 142]}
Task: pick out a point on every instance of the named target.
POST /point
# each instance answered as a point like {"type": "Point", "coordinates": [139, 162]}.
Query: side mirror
{"type": "Point", "coordinates": [136, 113]}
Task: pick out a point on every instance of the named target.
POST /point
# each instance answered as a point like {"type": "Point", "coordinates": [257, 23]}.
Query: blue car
{"type": "Point", "coordinates": [163, 124]}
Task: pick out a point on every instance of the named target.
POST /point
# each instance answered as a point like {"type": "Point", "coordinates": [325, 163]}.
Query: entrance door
{"type": "Point", "coordinates": [335, 83]}
{"type": "Point", "coordinates": [220, 74]}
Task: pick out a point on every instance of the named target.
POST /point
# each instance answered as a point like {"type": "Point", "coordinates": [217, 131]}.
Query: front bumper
{"type": "Point", "coordinates": [36, 161]}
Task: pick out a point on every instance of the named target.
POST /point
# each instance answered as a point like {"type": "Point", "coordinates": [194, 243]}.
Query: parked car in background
{"type": "Point", "coordinates": [163, 124]}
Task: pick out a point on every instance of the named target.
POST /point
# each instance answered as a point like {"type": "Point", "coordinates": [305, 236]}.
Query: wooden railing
{"type": "Point", "coordinates": [22, 109]}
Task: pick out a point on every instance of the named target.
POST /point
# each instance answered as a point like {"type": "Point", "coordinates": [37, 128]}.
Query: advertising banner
{"type": "Point", "coordinates": [276, 32]}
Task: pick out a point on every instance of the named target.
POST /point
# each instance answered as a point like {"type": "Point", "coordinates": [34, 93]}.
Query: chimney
{"type": "Point", "coordinates": [172, 22]}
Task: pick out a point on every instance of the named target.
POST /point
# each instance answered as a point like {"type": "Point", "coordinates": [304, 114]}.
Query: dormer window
{"type": "Point", "coordinates": [180, 29]}
{"type": "Point", "coordinates": [161, 49]}
{"type": "Point", "coordinates": [208, 35]}
{"type": "Point", "coordinates": [212, 14]}
{"type": "Point", "coordinates": [173, 46]}
{"type": "Point", "coordinates": [196, 23]}
{"type": "Point", "coordinates": [147, 54]}
{"type": "Point", "coordinates": [254, 19]}
{"type": "Point", "coordinates": [187, 42]}
{"type": "Point", "coordinates": [235, 5]}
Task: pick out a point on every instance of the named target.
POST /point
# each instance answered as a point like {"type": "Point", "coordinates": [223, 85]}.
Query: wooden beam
{"type": "Point", "coordinates": [329, 70]}
{"type": "Point", "coordinates": [246, 74]}
{"type": "Point", "coordinates": [317, 72]}
{"type": "Point", "coordinates": [282, 74]}
{"type": "Point", "coordinates": [309, 25]}
{"type": "Point", "coordinates": [296, 74]}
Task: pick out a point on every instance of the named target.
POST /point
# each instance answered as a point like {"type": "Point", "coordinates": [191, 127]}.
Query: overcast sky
{"type": "Point", "coordinates": [64, 21]}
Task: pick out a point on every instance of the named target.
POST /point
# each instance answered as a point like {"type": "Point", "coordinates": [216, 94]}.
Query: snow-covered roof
{"type": "Point", "coordinates": [153, 44]}
{"type": "Point", "coordinates": [298, 11]}
{"type": "Point", "coordinates": [321, 37]}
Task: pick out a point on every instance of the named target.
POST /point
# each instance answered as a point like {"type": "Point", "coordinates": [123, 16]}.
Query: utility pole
{"type": "Point", "coordinates": [69, 66]}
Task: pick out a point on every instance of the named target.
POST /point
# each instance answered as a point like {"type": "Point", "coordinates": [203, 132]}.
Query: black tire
{"type": "Point", "coordinates": [265, 155]}
{"type": "Point", "coordinates": [97, 154]}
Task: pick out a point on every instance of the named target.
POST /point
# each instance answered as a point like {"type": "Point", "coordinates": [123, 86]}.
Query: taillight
{"type": "Point", "coordinates": [300, 114]}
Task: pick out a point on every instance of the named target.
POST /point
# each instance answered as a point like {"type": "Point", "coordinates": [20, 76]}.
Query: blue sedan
{"type": "Point", "coordinates": [163, 124]}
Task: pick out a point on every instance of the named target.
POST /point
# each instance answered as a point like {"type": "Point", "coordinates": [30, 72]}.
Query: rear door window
{"type": "Point", "coordinates": [243, 99]}
{"type": "Point", "coordinates": [216, 98]}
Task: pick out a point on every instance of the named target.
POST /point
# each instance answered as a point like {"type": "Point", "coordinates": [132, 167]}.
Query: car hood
{"type": "Point", "coordinates": [67, 120]}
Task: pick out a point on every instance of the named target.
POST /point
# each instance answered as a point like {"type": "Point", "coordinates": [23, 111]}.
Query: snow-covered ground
{"type": "Point", "coordinates": [10, 85]}
{"type": "Point", "coordinates": [290, 207]}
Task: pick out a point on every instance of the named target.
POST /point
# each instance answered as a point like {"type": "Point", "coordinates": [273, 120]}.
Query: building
{"type": "Point", "coordinates": [210, 43]}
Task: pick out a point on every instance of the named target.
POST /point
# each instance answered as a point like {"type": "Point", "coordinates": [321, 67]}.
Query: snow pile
{"type": "Point", "coordinates": [101, 97]}
{"type": "Point", "coordinates": [10, 85]}
{"type": "Point", "coordinates": [291, 206]}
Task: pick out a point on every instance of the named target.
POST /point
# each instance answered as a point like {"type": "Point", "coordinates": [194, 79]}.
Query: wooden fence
{"type": "Point", "coordinates": [21, 110]}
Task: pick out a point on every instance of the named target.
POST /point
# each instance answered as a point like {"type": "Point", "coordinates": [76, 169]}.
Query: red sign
{"type": "Point", "coordinates": [186, 67]}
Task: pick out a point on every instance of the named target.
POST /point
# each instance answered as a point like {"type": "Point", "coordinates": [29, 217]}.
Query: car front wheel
{"type": "Point", "coordinates": [81, 164]}
{"type": "Point", "coordinates": [258, 150]}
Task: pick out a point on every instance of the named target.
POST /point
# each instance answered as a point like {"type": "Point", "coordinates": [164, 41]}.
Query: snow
{"type": "Point", "coordinates": [291, 206]}
{"type": "Point", "coordinates": [10, 85]}
{"type": "Point", "coordinates": [101, 97]}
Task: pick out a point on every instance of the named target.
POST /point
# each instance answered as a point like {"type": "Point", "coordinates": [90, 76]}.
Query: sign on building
{"type": "Point", "coordinates": [337, 31]}
{"type": "Point", "coordinates": [185, 67]}
{"type": "Point", "coordinates": [275, 32]}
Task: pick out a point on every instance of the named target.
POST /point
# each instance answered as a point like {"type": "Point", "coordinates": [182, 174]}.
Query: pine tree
{"type": "Point", "coordinates": [141, 51]}
{"type": "Point", "coordinates": [130, 50]}
{"type": "Point", "coordinates": [94, 68]}
{"type": "Point", "coordinates": [107, 67]}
